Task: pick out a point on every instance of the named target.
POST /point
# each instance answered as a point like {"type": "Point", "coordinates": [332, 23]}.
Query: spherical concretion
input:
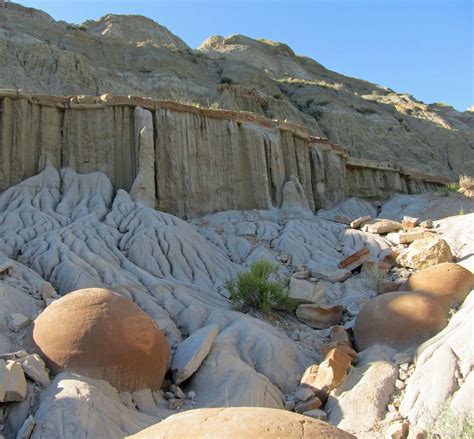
{"type": "Point", "coordinates": [401, 320]}
{"type": "Point", "coordinates": [241, 423]}
{"type": "Point", "coordinates": [100, 334]}
{"type": "Point", "coordinates": [449, 283]}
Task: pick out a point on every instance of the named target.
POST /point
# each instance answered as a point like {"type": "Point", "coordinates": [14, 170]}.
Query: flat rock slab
{"type": "Point", "coordinates": [192, 352]}
{"type": "Point", "coordinates": [302, 289]}
{"type": "Point", "coordinates": [355, 260]}
{"type": "Point", "coordinates": [12, 382]}
{"type": "Point", "coordinates": [381, 226]}
{"type": "Point", "coordinates": [360, 221]}
{"type": "Point", "coordinates": [319, 317]}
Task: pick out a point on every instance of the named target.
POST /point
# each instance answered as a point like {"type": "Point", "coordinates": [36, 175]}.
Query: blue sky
{"type": "Point", "coordinates": [423, 47]}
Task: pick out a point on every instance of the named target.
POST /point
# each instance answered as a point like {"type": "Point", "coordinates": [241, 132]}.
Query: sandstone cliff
{"type": "Point", "coordinates": [184, 160]}
{"type": "Point", "coordinates": [133, 55]}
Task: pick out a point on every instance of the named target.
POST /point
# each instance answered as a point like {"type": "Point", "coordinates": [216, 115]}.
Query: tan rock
{"type": "Point", "coordinates": [356, 224]}
{"type": "Point", "coordinates": [428, 224]}
{"type": "Point", "coordinates": [12, 382]}
{"type": "Point", "coordinates": [407, 237]}
{"type": "Point", "coordinates": [100, 334]}
{"type": "Point", "coordinates": [241, 423]}
{"type": "Point", "coordinates": [339, 334]}
{"type": "Point", "coordinates": [328, 347]}
{"type": "Point", "coordinates": [409, 222]}
{"type": "Point", "coordinates": [331, 372]}
{"type": "Point", "coordinates": [302, 289]}
{"type": "Point", "coordinates": [331, 274]}
{"type": "Point", "coordinates": [319, 317]}
{"type": "Point", "coordinates": [424, 253]}
{"type": "Point", "coordinates": [355, 260]}
{"type": "Point", "coordinates": [34, 368]}
{"type": "Point", "coordinates": [401, 320]}
{"type": "Point", "coordinates": [387, 286]}
{"type": "Point", "coordinates": [449, 283]}
{"type": "Point", "coordinates": [309, 376]}
{"type": "Point", "coordinates": [381, 226]}
{"type": "Point", "coordinates": [311, 404]}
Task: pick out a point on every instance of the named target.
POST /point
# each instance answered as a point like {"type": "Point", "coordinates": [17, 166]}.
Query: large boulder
{"type": "Point", "coordinates": [401, 320]}
{"type": "Point", "coordinates": [449, 283]}
{"type": "Point", "coordinates": [424, 253]}
{"type": "Point", "coordinates": [240, 423]}
{"type": "Point", "coordinates": [100, 334]}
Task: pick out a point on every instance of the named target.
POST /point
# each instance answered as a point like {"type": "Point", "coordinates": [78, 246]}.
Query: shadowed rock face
{"type": "Point", "coordinates": [401, 320]}
{"type": "Point", "coordinates": [240, 423]}
{"type": "Point", "coordinates": [100, 334]}
{"type": "Point", "coordinates": [448, 283]}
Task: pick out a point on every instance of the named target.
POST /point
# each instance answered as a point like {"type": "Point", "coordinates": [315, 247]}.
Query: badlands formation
{"type": "Point", "coordinates": [128, 206]}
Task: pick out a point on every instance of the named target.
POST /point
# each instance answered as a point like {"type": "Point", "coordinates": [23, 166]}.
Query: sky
{"type": "Point", "coordinates": [421, 47]}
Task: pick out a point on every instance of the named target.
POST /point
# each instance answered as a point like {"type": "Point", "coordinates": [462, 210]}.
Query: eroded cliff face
{"type": "Point", "coordinates": [184, 160]}
{"type": "Point", "coordinates": [132, 55]}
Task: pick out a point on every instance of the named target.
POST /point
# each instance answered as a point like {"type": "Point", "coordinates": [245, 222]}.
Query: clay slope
{"type": "Point", "coordinates": [133, 55]}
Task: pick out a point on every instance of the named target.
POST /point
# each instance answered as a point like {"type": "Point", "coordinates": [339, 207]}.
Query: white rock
{"type": "Point", "coordinates": [192, 352]}
{"type": "Point", "coordinates": [303, 394]}
{"type": "Point", "coordinates": [34, 368]}
{"type": "Point", "coordinates": [316, 414]}
{"type": "Point", "coordinates": [145, 402]}
{"type": "Point", "coordinates": [26, 429]}
{"type": "Point", "coordinates": [17, 322]}
{"type": "Point", "coordinates": [305, 290]}
{"type": "Point", "coordinates": [13, 385]}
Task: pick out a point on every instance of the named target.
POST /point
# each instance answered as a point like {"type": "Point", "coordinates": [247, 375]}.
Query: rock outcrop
{"type": "Point", "coordinates": [100, 334]}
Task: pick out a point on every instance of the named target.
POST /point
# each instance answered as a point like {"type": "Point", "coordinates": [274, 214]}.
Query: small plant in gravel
{"type": "Point", "coordinates": [259, 289]}
{"type": "Point", "coordinates": [371, 278]}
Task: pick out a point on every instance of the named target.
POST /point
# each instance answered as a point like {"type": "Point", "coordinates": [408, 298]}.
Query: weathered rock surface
{"type": "Point", "coordinates": [240, 423]}
{"type": "Point", "coordinates": [100, 334]}
{"type": "Point", "coordinates": [304, 290]}
{"type": "Point", "coordinates": [401, 320]}
{"type": "Point", "coordinates": [192, 352]}
{"type": "Point", "coordinates": [424, 253]}
{"type": "Point", "coordinates": [360, 403]}
{"type": "Point", "coordinates": [439, 360]}
{"type": "Point", "coordinates": [355, 260]}
{"type": "Point", "coordinates": [78, 406]}
{"type": "Point", "coordinates": [381, 226]}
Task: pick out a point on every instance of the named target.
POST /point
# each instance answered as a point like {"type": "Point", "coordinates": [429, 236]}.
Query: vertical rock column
{"type": "Point", "coordinates": [143, 188]}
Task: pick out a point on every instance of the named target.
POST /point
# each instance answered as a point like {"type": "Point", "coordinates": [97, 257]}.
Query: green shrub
{"type": "Point", "coordinates": [448, 189]}
{"type": "Point", "coordinates": [254, 289]}
{"type": "Point", "coordinates": [226, 80]}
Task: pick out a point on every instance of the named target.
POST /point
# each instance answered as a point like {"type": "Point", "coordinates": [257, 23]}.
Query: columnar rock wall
{"type": "Point", "coordinates": [186, 160]}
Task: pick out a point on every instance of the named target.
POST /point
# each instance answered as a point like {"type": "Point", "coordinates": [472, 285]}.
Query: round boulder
{"type": "Point", "coordinates": [100, 334]}
{"type": "Point", "coordinates": [401, 320]}
{"type": "Point", "coordinates": [241, 423]}
{"type": "Point", "coordinates": [448, 283]}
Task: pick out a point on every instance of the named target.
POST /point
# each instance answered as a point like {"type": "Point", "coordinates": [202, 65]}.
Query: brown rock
{"type": "Point", "coordinates": [449, 283]}
{"type": "Point", "coordinates": [360, 221]}
{"type": "Point", "coordinates": [241, 423]}
{"type": "Point", "coordinates": [399, 319]}
{"type": "Point", "coordinates": [100, 334]}
{"type": "Point", "coordinates": [424, 253]}
{"type": "Point", "coordinates": [311, 404]}
{"type": "Point", "coordinates": [381, 226]}
{"type": "Point", "coordinates": [319, 317]}
{"type": "Point", "coordinates": [355, 260]}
